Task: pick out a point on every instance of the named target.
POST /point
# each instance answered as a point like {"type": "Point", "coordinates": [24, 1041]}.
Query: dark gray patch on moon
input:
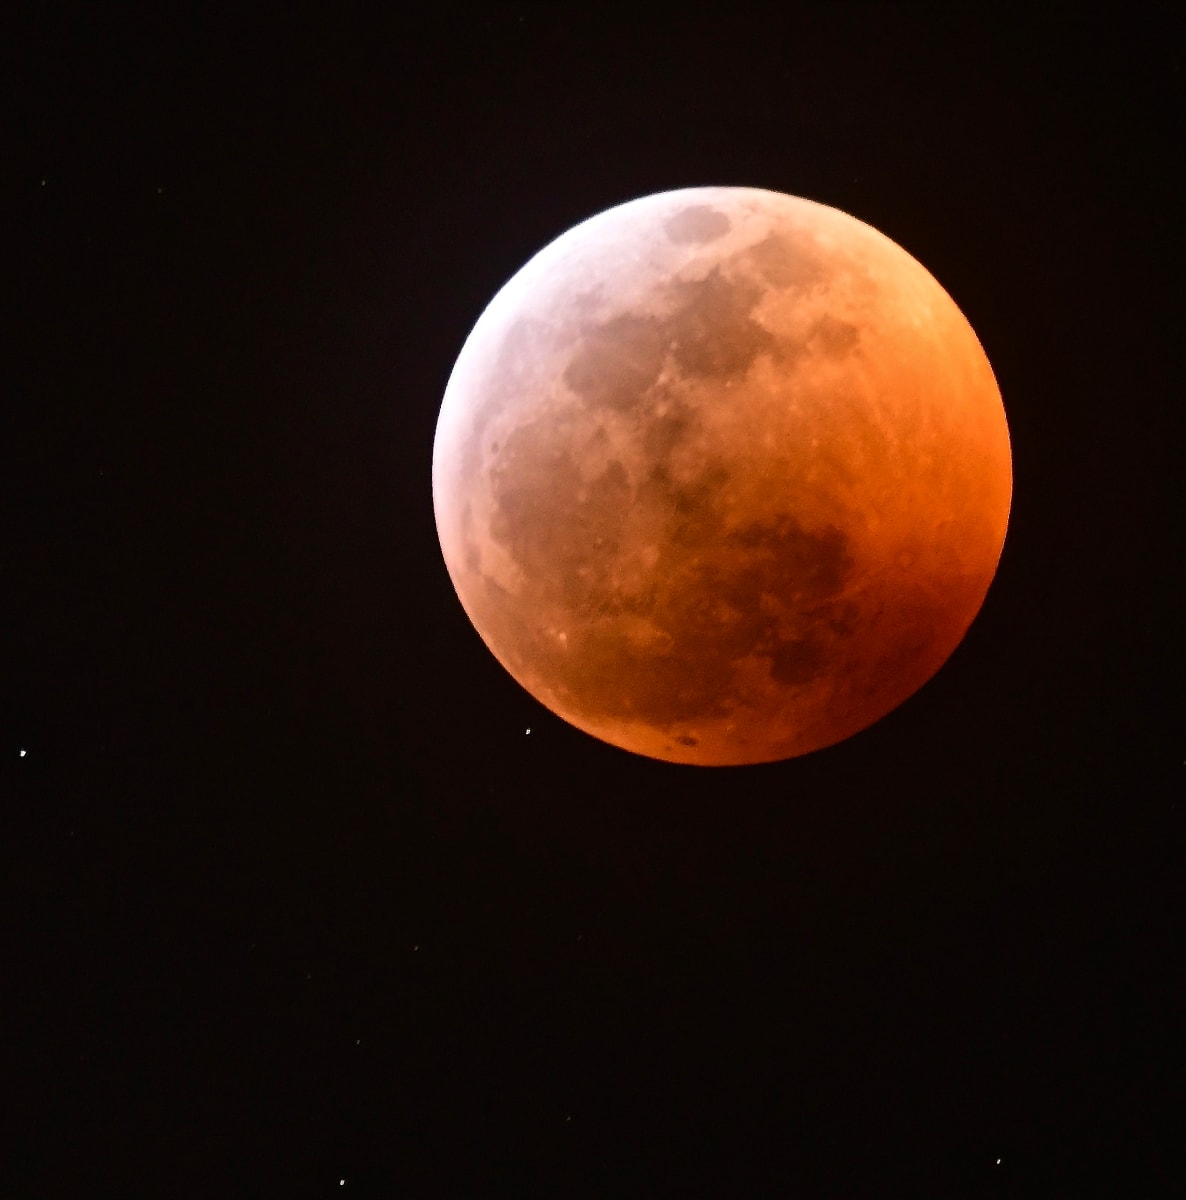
{"type": "Point", "coordinates": [663, 432]}
{"type": "Point", "coordinates": [804, 565]}
{"type": "Point", "coordinates": [834, 337]}
{"type": "Point", "coordinates": [696, 225]}
{"type": "Point", "coordinates": [797, 661]}
{"type": "Point", "coordinates": [710, 335]}
{"type": "Point", "coordinates": [785, 262]}
{"type": "Point", "coordinates": [617, 361]}
{"type": "Point", "coordinates": [692, 507]}
{"type": "Point", "coordinates": [713, 335]}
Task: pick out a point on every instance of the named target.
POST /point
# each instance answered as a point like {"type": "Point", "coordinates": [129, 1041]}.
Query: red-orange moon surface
{"type": "Point", "coordinates": [722, 476]}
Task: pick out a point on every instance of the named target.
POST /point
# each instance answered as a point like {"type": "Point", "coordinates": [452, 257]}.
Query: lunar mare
{"type": "Point", "coordinates": [722, 476]}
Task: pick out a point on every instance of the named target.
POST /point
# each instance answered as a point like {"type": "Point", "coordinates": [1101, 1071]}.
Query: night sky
{"type": "Point", "coordinates": [293, 898]}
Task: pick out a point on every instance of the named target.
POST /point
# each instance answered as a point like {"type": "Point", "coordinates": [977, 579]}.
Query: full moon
{"type": "Point", "coordinates": [722, 476]}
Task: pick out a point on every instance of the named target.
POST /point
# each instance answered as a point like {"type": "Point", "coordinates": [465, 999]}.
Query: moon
{"type": "Point", "coordinates": [722, 476]}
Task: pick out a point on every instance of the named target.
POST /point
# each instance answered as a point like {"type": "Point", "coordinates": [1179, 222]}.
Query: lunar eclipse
{"type": "Point", "coordinates": [722, 476]}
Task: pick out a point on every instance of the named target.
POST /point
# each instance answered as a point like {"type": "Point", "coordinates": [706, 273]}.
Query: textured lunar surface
{"type": "Point", "coordinates": [722, 476]}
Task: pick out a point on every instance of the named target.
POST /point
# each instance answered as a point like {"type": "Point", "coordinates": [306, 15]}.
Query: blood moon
{"type": "Point", "coordinates": [722, 476]}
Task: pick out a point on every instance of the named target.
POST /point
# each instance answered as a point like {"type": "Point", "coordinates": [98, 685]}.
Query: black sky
{"type": "Point", "coordinates": [293, 898]}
